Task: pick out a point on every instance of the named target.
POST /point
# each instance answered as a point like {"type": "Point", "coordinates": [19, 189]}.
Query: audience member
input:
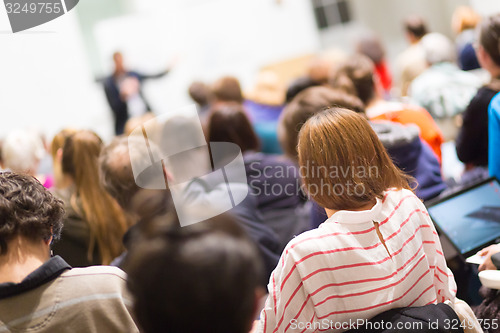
{"type": "Point", "coordinates": [411, 63]}
{"type": "Point", "coordinates": [297, 86]}
{"type": "Point", "coordinates": [135, 122]}
{"type": "Point", "coordinates": [164, 276]}
{"type": "Point", "coordinates": [94, 223]}
{"type": "Point", "coordinates": [443, 89]}
{"type": "Point", "coordinates": [472, 140]}
{"type": "Point", "coordinates": [371, 46]}
{"type": "Point", "coordinates": [227, 89]}
{"type": "Point", "coordinates": [40, 293]}
{"type": "Point", "coordinates": [356, 76]}
{"type": "Point", "coordinates": [22, 151]}
{"type": "Point", "coordinates": [463, 23]}
{"type": "Point", "coordinates": [273, 180]}
{"type": "Point", "coordinates": [201, 94]}
{"type": "Point", "coordinates": [124, 92]}
{"type": "Point", "coordinates": [142, 204]}
{"type": "Point", "coordinates": [60, 182]}
{"type": "Point", "coordinates": [263, 106]}
{"type": "Point", "coordinates": [377, 220]}
{"type": "Point", "coordinates": [403, 144]}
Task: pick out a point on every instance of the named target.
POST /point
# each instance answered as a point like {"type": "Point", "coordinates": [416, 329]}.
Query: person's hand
{"type": "Point", "coordinates": [488, 252]}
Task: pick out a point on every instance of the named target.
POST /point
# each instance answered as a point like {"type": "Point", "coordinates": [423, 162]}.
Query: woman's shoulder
{"type": "Point", "coordinates": [396, 197]}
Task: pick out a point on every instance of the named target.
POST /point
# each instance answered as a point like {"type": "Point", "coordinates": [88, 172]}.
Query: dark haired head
{"type": "Point", "coordinates": [297, 86]}
{"type": "Point", "coordinates": [490, 37]}
{"type": "Point", "coordinates": [228, 122]}
{"type": "Point", "coordinates": [371, 46]}
{"type": "Point", "coordinates": [304, 106]}
{"type": "Point", "coordinates": [227, 89]}
{"type": "Point", "coordinates": [116, 173]}
{"type": "Point", "coordinates": [210, 270]}
{"type": "Point", "coordinates": [200, 93]}
{"type": "Point", "coordinates": [415, 26]}
{"type": "Point", "coordinates": [28, 210]}
{"type": "Point", "coordinates": [355, 76]}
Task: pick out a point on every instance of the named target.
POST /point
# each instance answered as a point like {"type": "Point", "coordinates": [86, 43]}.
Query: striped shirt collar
{"type": "Point", "coordinates": [354, 217]}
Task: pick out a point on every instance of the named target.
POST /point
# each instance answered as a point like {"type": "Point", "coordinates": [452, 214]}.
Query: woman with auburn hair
{"type": "Point", "coordinates": [94, 224]}
{"type": "Point", "coordinates": [377, 251]}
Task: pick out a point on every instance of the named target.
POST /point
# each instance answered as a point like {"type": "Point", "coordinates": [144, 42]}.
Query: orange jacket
{"type": "Point", "coordinates": [409, 114]}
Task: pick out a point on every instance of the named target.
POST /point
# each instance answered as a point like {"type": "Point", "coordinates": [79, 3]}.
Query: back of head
{"type": "Point", "coordinates": [490, 37]}
{"type": "Point", "coordinates": [297, 86]}
{"type": "Point", "coordinates": [228, 122]}
{"type": "Point", "coordinates": [438, 48]}
{"type": "Point", "coordinates": [209, 270]}
{"type": "Point", "coordinates": [59, 140]}
{"type": "Point", "coordinates": [106, 220]}
{"type": "Point", "coordinates": [343, 163]}
{"type": "Point", "coordinates": [371, 46]}
{"type": "Point", "coordinates": [415, 26]}
{"type": "Point", "coordinates": [115, 168]}
{"type": "Point", "coordinates": [268, 89]}
{"type": "Point", "coordinates": [355, 76]}
{"type": "Point", "coordinates": [304, 106]}
{"type": "Point", "coordinates": [28, 210]}
{"type": "Point", "coordinates": [200, 93]}
{"type": "Point", "coordinates": [464, 18]}
{"type": "Point", "coordinates": [227, 89]}
{"type": "Point", "coordinates": [22, 150]}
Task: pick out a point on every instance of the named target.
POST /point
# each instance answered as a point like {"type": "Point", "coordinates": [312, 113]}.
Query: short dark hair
{"type": "Point", "coordinates": [210, 270]}
{"type": "Point", "coordinates": [297, 86]}
{"type": "Point", "coordinates": [490, 37]}
{"type": "Point", "coordinates": [306, 104]}
{"type": "Point", "coordinates": [27, 209]}
{"type": "Point", "coordinates": [200, 93]}
{"type": "Point", "coordinates": [416, 26]}
{"type": "Point", "coordinates": [356, 76]}
{"type": "Point", "coordinates": [228, 122]}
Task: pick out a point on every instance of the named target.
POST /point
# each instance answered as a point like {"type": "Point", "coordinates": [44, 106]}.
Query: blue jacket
{"type": "Point", "coordinates": [494, 137]}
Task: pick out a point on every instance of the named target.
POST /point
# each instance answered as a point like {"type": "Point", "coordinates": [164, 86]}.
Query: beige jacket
{"type": "Point", "coordinates": [92, 299]}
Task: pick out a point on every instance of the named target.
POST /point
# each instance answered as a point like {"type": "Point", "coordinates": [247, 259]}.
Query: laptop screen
{"type": "Point", "coordinates": [470, 219]}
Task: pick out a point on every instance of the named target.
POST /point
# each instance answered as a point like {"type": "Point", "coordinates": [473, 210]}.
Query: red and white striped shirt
{"type": "Point", "coordinates": [332, 276]}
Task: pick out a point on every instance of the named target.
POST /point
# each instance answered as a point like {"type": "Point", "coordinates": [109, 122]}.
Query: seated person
{"type": "Point", "coordinates": [263, 109]}
{"type": "Point", "coordinates": [443, 89]}
{"type": "Point", "coordinates": [403, 144]}
{"type": "Point", "coordinates": [489, 310]}
{"type": "Point", "coordinates": [22, 152]}
{"type": "Point", "coordinates": [356, 76]}
{"type": "Point", "coordinates": [463, 23]}
{"type": "Point", "coordinates": [472, 140]}
{"type": "Point", "coordinates": [94, 224]}
{"type": "Point", "coordinates": [141, 204]}
{"type": "Point", "coordinates": [201, 94]}
{"type": "Point", "coordinates": [210, 270]}
{"type": "Point", "coordinates": [273, 179]}
{"type": "Point", "coordinates": [378, 250]}
{"type": "Point", "coordinates": [43, 294]}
